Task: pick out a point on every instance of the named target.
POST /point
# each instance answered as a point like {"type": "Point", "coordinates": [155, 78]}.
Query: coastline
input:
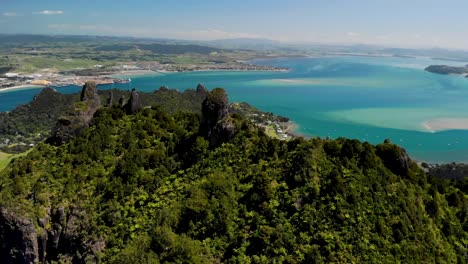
{"type": "Point", "coordinates": [21, 87]}
{"type": "Point", "coordinates": [109, 77]}
{"type": "Point", "coordinates": [291, 128]}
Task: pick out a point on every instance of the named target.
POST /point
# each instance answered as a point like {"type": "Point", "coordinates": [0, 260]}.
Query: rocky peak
{"type": "Point", "coordinates": [134, 104]}
{"type": "Point", "coordinates": [164, 88]}
{"type": "Point", "coordinates": [216, 125]}
{"type": "Point", "coordinates": [215, 106]}
{"type": "Point", "coordinates": [89, 91]}
{"type": "Point", "coordinates": [394, 158]}
{"type": "Point", "coordinates": [201, 88]}
{"type": "Point", "coordinates": [79, 117]}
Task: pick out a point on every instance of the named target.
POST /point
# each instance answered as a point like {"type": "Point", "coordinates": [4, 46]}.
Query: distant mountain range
{"type": "Point", "coordinates": [254, 44]}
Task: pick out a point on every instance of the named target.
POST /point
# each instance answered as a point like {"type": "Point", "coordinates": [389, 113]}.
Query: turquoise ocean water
{"type": "Point", "coordinates": [367, 98]}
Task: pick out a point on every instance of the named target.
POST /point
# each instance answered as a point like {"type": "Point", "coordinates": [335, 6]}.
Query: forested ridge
{"type": "Point", "coordinates": [154, 187]}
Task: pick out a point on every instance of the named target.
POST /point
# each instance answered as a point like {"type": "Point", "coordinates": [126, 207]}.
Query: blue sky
{"type": "Point", "coordinates": [417, 23]}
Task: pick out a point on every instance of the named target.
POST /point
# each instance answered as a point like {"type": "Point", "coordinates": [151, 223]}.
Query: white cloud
{"type": "Point", "coordinates": [352, 34]}
{"type": "Point", "coordinates": [11, 14]}
{"type": "Point", "coordinates": [49, 12]}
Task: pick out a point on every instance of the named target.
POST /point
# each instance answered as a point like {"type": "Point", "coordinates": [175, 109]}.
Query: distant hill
{"type": "Point", "coordinates": [246, 43]}
{"type": "Point", "coordinates": [159, 48]}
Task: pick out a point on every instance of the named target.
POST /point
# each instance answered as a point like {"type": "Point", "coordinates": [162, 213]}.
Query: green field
{"type": "Point", "coordinates": [271, 132]}
{"type": "Point", "coordinates": [5, 158]}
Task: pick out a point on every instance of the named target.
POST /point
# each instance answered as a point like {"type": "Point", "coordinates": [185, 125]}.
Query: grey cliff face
{"type": "Point", "coordinates": [134, 104]}
{"type": "Point", "coordinates": [89, 91]}
{"type": "Point", "coordinates": [202, 89]}
{"type": "Point", "coordinates": [59, 235]}
{"type": "Point", "coordinates": [18, 239]}
{"type": "Point", "coordinates": [216, 125]}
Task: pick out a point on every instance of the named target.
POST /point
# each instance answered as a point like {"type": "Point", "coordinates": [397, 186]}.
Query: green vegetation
{"type": "Point", "coordinates": [30, 64]}
{"type": "Point", "coordinates": [30, 124]}
{"type": "Point", "coordinates": [146, 188]}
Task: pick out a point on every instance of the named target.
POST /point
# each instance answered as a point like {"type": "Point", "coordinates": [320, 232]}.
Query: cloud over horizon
{"type": "Point", "coordinates": [49, 12]}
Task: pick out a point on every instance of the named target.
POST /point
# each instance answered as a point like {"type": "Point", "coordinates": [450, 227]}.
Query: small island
{"type": "Point", "coordinates": [444, 69]}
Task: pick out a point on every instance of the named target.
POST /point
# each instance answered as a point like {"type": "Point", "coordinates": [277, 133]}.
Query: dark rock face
{"type": "Point", "coordinates": [78, 118]}
{"type": "Point", "coordinates": [89, 91]}
{"type": "Point", "coordinates": [216, 124]}
{"type": "Point", "coordinates": [201, 88]}
{"type": "Point", "coordinates": [214, 108]}
{"type": "Point", "coordinates": [224, 131]}
{"type": "Point", "coordinates": [18, 239]}
{"type": "Point", "coordinates": [164, 88]}
{"type": "Point", "coordinates": [122, 101]}
{"type": "Point", "coordinates": [394, 158]}
{"type": "Point", "coordinates": [134, 104]}
{"type": "Point", "coordinates": [59, 236]}
{"type": "Point", "coordinates": [110, 99]}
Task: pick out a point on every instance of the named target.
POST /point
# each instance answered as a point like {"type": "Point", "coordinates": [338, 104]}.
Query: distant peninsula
{"type": "Point", "coordinates": [444, 69]}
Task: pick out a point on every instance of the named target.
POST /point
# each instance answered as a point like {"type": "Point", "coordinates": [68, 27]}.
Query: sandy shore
{"type": "Point", "coordinates": [441, 124]}
{"type": "Point", "coordinates": [132, 73]}
{"type": "Point", "coordinates": [21, 87]}
{"type": "Point", "coordinates": [291, 128]}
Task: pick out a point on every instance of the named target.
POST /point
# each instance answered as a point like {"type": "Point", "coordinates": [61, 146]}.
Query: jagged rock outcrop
{"type": "Point", "coordinates": [216, 124]}
{"type": "Point", "coordinates": [122, 101]}
{"type": "Point", "coordinates": [201, 88]}
{"type": "Point", "coordinates": [134, 104]}
{"type": "Point", "coordinates": [79, 117]}
{"type": "Point", "coordinates": [110, 99]}
{"type": "Point", "coordinates": [58, 236]}
{"type": "Point", "coordinates": [164, 88]}
{"type": "Point", "coordinates": [394, 158]}
{"type": "Point", "coordinates": [89, 91]}
{"type": "Point", "coordinates": [18, 239]}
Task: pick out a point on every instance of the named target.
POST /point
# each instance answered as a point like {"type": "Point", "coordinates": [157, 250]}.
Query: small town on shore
{"type": "Point", "coordinates": [107, 75]}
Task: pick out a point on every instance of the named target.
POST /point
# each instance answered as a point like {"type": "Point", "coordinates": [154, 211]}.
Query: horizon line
{"type": "Point", "coordinates": [415, 47]}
